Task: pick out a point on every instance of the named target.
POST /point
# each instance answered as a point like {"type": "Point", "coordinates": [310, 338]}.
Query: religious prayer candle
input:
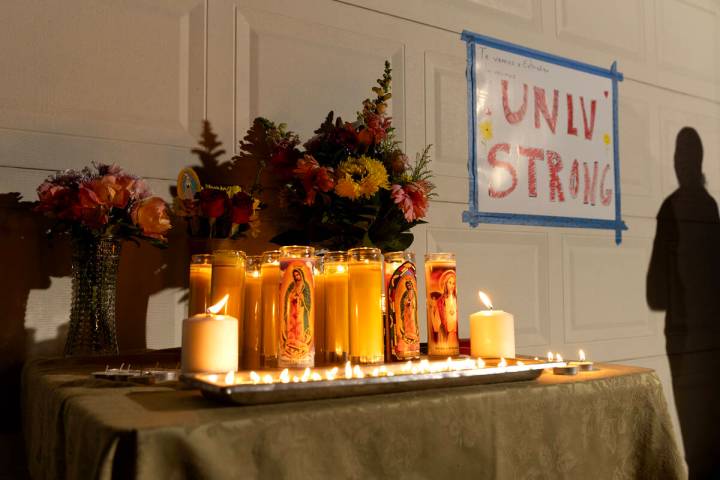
{"type": "Point", "coordinates": [209, 342]}
{"type": "Point", "coordinates": [228, 278]}
{"type": "Point", "coordinates": [366, 304]}
{"type": "Point", "coordinates": [200, 274]}
{"type": "Point", "coordinates": [337, 327]}
{"type": "Point", "coordinates": [253, 313]}
{"type": "Point", "coordinates": [492, 332]}
{"type": "Point", "coordinates": [320, 321]}
{"type": "Point", "coordinates": [442, 306]}
{"type": "Point", "coordinates": [402, 332]}
{"type": "Point", "coordinates": [270, 280]}
{"type": "Point", "coordinates": [296, 345]}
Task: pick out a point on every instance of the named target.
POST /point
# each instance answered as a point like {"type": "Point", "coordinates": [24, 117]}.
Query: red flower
{"type": "Point", "coordinates": [58, 201]}
{"type": "Point", "coordinates": [412, 199]}
{"type": "Point", "coordinates": [90, 209]}
{"type": "Point", "coordinates": [314, 178]}
{"type": "Point", "coordinates": [242, 208]}
{"type": "Point", "coordinates": [375, 130]}
{"type": "Point", "coordinates": [213, 203]}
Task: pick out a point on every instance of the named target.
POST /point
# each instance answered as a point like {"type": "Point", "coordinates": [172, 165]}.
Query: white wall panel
{"type": "Point", "coordinates": [128, 70]}
{"type": "Point", "coordinates": [587, 23]}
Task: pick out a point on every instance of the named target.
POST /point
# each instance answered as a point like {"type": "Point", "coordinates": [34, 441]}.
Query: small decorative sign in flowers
{"type": "Point", "coordinates": [103, 201]}
{"type": "Point", "coordinates": [349, 185]}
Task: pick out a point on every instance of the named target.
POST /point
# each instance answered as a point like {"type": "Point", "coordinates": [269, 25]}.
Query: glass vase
{"type": "Point", "coordinates": [92, 329]}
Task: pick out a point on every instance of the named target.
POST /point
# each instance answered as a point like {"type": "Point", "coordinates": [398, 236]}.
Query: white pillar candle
{"type": "Point", "coordinates": [492, 332]}
{"type": "Point", "coordinates": [210, 342]}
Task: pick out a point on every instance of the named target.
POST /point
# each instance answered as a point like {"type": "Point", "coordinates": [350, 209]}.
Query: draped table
{"type": "Point", "coordinates": [612, 423]}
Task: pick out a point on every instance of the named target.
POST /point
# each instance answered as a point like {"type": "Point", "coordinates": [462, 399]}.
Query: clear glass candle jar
{"type": "Point", "coordinates": [366, 305]}
{"type": "Point", "coordinates": [402, 332]}
{"type": "Point", "coordinates": [270, 279]}
{"type": "Point", "coordinates": [200, 275]}
{"type": "Point", "coordinates": [228, 278]}
{"type": "Point", "coordinates": [296, 345]}
{"type": "Point", "coordinates": [337, 326]}
{"type": "Point", "coordinates": [442, 306]}
{"type": "Point", "coordinates": [253, 313]}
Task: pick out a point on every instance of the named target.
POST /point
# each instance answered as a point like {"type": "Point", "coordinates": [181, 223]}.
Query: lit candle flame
{"type": "Point", "coordinates": [330, 374]}
{"type": "Point", "coordinates": [502, 362]}
{"type": "Point", "coordinates": [480, 363]}
{"type": "Point", "coordinates": [550, 356]}
{"type": "Point", "coordinates": [358, 373]}
{"type": "Point", "coordinates": [581, 354]}
{"type": "Point", "coordinates": [285, 376]}
{"type": "Point", "coordinates": [268, 379]}
{"type": "Point", "coordinates": [214, 309]}
{"type": "Point", "coordinates": [375, 372]}
{"type": "Point", "coordinates": [306, 375]}
{"type": "Point", "coordinates": [348, 370]}
{"type": "Point", "coordinates": [230, 378]}
{"type": "Point", "coordinates": [558, 357]}
{"type": "Point", "coordinates": [254, 377]}
{"type": "Point", "coordinates": [520, 363]}
{"type": "Point", "coordinates": [485, 300]}
{"type": "Point", "coordinates": [316, 377]}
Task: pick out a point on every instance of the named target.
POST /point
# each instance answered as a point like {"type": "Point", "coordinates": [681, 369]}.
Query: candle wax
{"type": "Point", "coordinates": [492, 334]}
{"type": "Point", "coordinates": [365, 300]}
{"type": "Point", "coordinates": [199, 295]}
{"type": "Point", "coordinates": [253, 321]}
{"type": "Point", "coordinates": [337, 334]}
{"type": "Point", "coordinates": [209, 344]}
{"type": "Point", "coordinates": [270, 274]}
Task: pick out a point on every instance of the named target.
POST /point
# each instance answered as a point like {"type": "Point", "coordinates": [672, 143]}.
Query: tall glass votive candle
{"type": "Point", "coordinates": [270, 280]}
{"type": "Point", "coordinates": [365, 302]}
{"type": "Point", "coordinates": [337, 326]}
{"type": "Point", "coordinates": [442, 306]}
{"type": "Point", "coordinates": [228, 278]}
{"type": "Point", "coordinates": [200, 275]}
{"type": "Point", "coordinates": [402, 332]}
{"type": "Point", "coordinates": [253, 313]}
{"type": "Point", "coordinates": [296, 345]}
{"type": "Point", "coordinates": [320, 320]}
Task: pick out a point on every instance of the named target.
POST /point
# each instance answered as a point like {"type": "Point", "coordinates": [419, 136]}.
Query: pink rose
{"type": "Point", "coordinates": [150, 214]}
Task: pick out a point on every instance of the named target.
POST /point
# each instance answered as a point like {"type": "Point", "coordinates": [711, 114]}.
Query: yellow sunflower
{"type": "Point", "coordinates": [361, 177]}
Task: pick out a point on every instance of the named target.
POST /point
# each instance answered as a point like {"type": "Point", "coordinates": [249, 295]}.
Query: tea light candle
{"type": "Point", "coordinates": [583, 365]}
{"type": "Point", "coordinates": [564, 370]}
{"type": "Point", "coordinates": [210, 342]}
{"type": "Point", "coordinates": [492, 332]}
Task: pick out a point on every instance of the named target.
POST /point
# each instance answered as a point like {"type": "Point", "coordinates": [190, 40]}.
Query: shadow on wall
{"type": "Point", "coordinates": [28, 262]}
{"type": "Point", "coordinates": [684, 280]}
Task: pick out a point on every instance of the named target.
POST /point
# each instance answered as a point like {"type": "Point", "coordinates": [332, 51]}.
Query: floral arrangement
{"type": "Point", "coordinates": [350, 184]}
{"type": "Point", "coordinates": [216, 211]}
{"type": "Point", "coordinates": [103, 201]}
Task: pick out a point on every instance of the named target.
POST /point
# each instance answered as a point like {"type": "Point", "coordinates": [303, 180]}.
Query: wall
{"type": "Point", "coordinates": [129, 82]}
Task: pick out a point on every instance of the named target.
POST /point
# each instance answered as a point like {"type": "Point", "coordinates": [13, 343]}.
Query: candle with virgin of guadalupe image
{"type": "Point", "coordinates": [296, 345]}
{"type": "Point", "coordinates": [402, 332]}
{"type": "Point", "coordinates": [442, 306]}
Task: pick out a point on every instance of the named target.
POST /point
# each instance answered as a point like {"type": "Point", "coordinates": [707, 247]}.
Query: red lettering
{"type": "Point", "coordinates": [590, 185]}
{"type": "Point", "coordinates": [541, 107]}
{"type": "Point", "coordinates": [605, 195]}
{"type": "Point", "coordinates": [574, 179]}
{"type": "Point", "coordinates": [494, 162]}
{"type": "Point", "coordinates": [588, 129]}
{"type": "Point", "coordinates": [518, 115]}
{"type": "Point", "coordinates": [532, 154]}
{"type": "Point", "coordinates": [571, 125]}
{"type": "Point", "coordinates": [554, 163]}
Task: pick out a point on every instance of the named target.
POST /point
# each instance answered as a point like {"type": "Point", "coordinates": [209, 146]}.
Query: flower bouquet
{"type": "Point", "coordinates": [212, 208]}
{"type": "Point", "coordinates": [349, 185]}
{"type": "Point", "coordinates": [99, 206]}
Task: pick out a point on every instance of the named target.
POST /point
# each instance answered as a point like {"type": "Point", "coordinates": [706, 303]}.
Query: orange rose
{"type": "Point", "coordinates": [150, 214]}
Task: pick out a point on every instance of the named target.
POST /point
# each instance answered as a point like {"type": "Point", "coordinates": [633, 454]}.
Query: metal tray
{"type": "Point", "coordinates": [253, 388]}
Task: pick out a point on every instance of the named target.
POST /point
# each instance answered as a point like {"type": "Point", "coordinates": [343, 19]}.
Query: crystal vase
{"type": "Point", "coordinates": [92, 329]}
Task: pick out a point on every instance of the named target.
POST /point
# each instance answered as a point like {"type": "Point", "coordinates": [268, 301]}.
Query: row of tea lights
{"type": "Point", "coordinates": [293, 309]}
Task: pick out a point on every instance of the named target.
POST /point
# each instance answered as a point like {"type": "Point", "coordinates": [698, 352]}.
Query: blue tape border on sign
{"type": "Point", "coordinates": [474, 216]}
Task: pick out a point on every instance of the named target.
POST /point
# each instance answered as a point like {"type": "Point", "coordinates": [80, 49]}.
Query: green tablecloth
{"type": "Point", "coordinates": [609, 424]}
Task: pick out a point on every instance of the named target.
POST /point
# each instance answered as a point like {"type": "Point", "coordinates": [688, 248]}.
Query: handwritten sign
{"type": "Point", "coordinates": [543, 146]}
